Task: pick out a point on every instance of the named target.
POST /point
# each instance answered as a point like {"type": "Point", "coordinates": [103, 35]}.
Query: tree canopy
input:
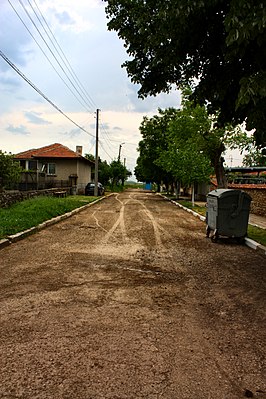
{"type": "Point", "coordinates": [219, 46]}
{"type": "Point", "coordinates": [183, 145]}
{"type": "Point", "coordinates": [118, 173]}
{"type": "Point", "coordinates": [187, 156]}
{"type": "Point", "coordinates": [154, 133]}
{"type": "Point", "coordinates": [9, 170]}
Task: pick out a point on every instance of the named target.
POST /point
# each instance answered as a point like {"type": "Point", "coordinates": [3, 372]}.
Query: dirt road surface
{"type": "Point", "coordinates": [128, 299]}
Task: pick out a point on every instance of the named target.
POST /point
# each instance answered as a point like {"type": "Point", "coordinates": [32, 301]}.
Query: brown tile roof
{"type": "Point", "coordinates": [50, 151]}
{"type": "Point", "coordinates": [243, 186]}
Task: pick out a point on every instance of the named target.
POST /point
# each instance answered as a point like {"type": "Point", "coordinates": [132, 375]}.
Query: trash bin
{"type": "Point", "coordinates": [227, 213]}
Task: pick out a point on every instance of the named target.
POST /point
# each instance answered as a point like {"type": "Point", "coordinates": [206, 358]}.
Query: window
{"type": "Point", "coordinates": [51, 168]}
{"type": "Point", "coordinates": [48, 168]}
{"type": "Point", "coordinates": [32, 165]}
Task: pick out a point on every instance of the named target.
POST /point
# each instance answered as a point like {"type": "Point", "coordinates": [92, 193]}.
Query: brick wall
{"type": "Point", "coordinates": [258, 195]}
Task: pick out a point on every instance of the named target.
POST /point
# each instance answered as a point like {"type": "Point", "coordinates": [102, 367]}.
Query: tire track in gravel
{"type": "Point", "coordinates": [157, 228]}
{"type": "Point", "coordinates": [120, 222]}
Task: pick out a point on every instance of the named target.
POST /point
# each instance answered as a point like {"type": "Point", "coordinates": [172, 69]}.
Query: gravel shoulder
{"type": "Point", "coordinates": [127, 299]}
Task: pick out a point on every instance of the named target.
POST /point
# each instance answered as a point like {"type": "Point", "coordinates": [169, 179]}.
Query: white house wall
{"type": "Point", "coordinates": [68, 167]}
{"type": "Point", "coordinates": [84, 175]}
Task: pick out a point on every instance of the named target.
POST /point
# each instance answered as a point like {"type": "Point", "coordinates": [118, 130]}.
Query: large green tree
{"type": "Point", "coordinates": [187, 156]}
{"type": "Point", "coordinates": [154, 141]}
{"type": "Point", "coordinates": [219, 45]}
{"type": "Point", "coordinates": [184, 145]}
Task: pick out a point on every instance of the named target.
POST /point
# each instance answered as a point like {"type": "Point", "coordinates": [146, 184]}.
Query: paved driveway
{"type": "Point", "coordinates": [128, 299]}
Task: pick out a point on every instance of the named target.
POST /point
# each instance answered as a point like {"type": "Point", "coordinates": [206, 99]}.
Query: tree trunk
{"type": "Point", "coordinates": [217, 162]}
{"type": "Point", "coordinates": [220, 173]}
{"type": "Point", "coordinates": [193, 195]}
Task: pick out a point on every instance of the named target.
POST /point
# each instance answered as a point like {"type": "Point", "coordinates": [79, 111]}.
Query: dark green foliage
{"type": "Point", "coordinates": [9, 170]}
{"type": "Point", "coordinates": [155, 140]}
{"type": "Point", "coordinates": [91, 157]}
{"type": "Point", "coordinates": [104, 174]}
{"type": "Point", "coordinates": [118, 173]}
{"type": "Point", "coordinates": [181, 146]}
{"type": "Point", "coordinates": [220, 43]}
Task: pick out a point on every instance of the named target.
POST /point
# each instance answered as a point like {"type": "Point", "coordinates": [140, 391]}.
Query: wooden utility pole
{"type": "Point", "coordinates": [119, 152]}
{"type": "Point", "coordinates": [96, 155]}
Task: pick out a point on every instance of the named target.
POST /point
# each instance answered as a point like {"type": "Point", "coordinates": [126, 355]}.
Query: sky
{"type": "Point", "coordinates": [65, 51]}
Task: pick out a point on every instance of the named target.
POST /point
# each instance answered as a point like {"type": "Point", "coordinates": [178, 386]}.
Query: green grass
{"type": "Point", "coordinates": [199, 209]}
{"type": "Point", "coordinates": [29, 213]}
{"type": "Point", "coordinates": [257, 234]}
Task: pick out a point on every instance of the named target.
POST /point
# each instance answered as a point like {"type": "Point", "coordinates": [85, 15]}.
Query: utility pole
{"type": "Point", "coordinates": [119, 152]}
{"type": "Point", "coordinates": [96, 155]}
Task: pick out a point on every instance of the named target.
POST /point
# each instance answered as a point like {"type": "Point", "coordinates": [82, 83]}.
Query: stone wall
{"type": "Point", "coordinates": [258, 195]}
{"type": "Point", "coordinates": [8, 198]}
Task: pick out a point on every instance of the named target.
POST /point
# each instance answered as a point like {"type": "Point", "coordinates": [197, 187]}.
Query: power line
{"type": "Point", "coordinates": [63, 57]}
{"type": "Point", "coordinates": [105, 150]}
{"type": "Point", "coordinates": [65, 60]}
{"type": "Point", "coordinates": [45, 54]}
{"type": "Point", "coordinates": [16, 69]}
{"type": "Point", "coordinates": [84, 96]}
{"type": "Point", "coordinates": [53, 54]}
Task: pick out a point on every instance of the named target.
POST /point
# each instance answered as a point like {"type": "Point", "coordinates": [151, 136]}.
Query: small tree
{"type": "Point", "coordinates": [9, 170]}
{"type": "Point", "coordinates": [119, 173]}
{"type": "Point", "coordinates": [104, 172]}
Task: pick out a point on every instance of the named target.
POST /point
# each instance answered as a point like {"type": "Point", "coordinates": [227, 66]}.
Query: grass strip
{"type": "Point", "coordinates": [257, 234]}
{"type": "Point", "coordinates": [29, 213]}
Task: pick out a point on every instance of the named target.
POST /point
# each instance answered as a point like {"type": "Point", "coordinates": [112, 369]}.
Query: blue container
{"type": "Point", "coordinates": [148, 186]}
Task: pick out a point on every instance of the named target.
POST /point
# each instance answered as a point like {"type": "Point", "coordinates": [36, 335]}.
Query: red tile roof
{"type": "Point", "coordinates": [50, 151]}
{"type": "Point", "coordinates": [243, 186]}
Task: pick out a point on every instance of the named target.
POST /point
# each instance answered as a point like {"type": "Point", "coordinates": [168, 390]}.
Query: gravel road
{"type": "Point", "coordinates": [129, 300]}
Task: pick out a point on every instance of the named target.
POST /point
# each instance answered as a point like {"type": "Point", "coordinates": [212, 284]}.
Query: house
{"type": "Point", "coordinates": [54, 165]}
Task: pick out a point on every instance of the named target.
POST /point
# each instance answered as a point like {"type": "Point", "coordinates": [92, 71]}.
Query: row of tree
{"type": "Point", "coordinates": [186, 145]}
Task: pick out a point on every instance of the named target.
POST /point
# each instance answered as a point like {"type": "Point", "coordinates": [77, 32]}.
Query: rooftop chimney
{"type": "Point", "coordinates": [79, 149]}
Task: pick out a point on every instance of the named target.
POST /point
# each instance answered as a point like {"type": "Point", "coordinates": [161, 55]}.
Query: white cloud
{"type": "Point", "coordinates": [35, 118]}
{"type": "Point", "coordinates": [21, 130]}
{"type": "Point", "coordinates": [96, 55]}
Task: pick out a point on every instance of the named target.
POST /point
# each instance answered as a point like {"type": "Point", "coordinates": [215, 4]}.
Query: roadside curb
{"type": "Point", "coordinates": [248, 241]}
{"type": "Point", "coordinates": [19, 236]}
{"type": "Point", "coordinates": [4, 243]}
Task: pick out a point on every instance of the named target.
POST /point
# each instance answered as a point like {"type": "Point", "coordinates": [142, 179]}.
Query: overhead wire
{"type": "Point", "coordinates": [62, 56]}
{"type": "Point", "coordinates": [87, 100]}
{"type": "Point", "coordinates": [16, 69]}
{"type": "Point", "coordinates": [51, 51]}
{"type": "Point", "coordinates": [106, 136]}
{"type": "Point", "coordinates": [112, 147]}
{"type": "Point", "coordinates": [105, 151]}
